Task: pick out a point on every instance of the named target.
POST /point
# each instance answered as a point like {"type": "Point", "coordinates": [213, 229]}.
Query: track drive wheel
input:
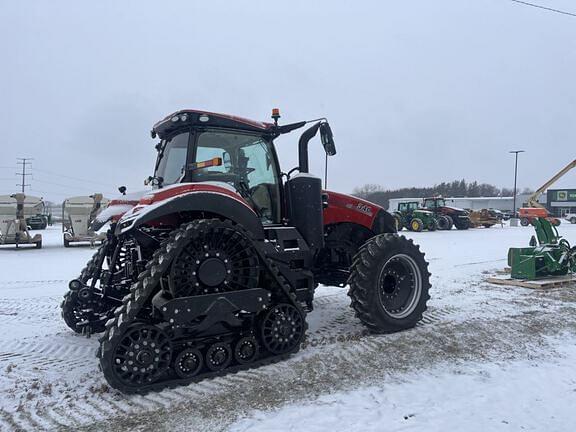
{"type": "Point", "coordinates": [389, 283]}
{"type": "Point", "coordinates": [218, 256]}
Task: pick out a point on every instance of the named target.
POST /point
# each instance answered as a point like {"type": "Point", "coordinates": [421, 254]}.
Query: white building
{"type": "Point", "coordinates": [499, 203]}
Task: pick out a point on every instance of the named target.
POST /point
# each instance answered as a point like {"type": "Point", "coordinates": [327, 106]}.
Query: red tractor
{"type": "Point", "coordinates": [448, 216]}
{"type": "Point", "coordinates": [214, 270]}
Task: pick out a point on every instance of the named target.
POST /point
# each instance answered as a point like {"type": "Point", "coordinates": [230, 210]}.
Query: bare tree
{"type": "Point", "coordinates": [367, 190]}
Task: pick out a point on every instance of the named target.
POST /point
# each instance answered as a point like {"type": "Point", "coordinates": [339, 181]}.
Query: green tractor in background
{"type": "Point", "coordinates": [410, 216]}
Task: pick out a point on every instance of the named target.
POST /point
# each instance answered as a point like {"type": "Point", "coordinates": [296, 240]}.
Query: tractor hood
{"type": "Point", "coordinates": [116, 208]}
{"type": "Point", "coordinates": [342, 208]}
{"type": "Point", "coordinates": [457, 210]}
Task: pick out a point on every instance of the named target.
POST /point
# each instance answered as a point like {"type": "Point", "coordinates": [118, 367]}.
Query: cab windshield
{"type": "Point", "coordinates": [171, 164]}
{"type": "Point", "coordinates": [246, 163]}
{"type": "Point", "coordinates": [434, 203]}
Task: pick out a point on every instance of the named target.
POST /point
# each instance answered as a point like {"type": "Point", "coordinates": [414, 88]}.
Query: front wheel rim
{"type": "Point", "coordinates": [400, 286]}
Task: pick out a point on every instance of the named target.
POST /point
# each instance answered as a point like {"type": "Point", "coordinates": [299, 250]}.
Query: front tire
{"type": "Point", "coordinates": [524, 222]}
{"type": "Point", "coordinates": [416, 225]}
{"type": "Point", "coordinates": [462, 223]}
{"type": "Point", "coordinates": [389, 283]}
{"type": "Point", "coordinates": [444, 223]}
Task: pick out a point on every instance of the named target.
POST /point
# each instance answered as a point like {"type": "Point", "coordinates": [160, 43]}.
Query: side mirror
{"type": "Point", "coordinates": [122, 190]}
{"type": "Point", "coordinates": [327, 139]}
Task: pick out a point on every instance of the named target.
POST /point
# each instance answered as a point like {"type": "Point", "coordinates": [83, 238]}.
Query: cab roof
{"type": "Point", "coordinates": [190, 117]}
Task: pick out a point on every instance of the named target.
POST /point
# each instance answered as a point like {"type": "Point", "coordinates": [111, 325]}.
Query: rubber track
{"type": "Point", "coordinates": [145, 287]}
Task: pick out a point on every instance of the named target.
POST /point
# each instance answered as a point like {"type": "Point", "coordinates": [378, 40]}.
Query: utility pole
{"type": "Point", "coordinates": [514, 212]}
{"type": "Point", "coordinates": [25, 162]}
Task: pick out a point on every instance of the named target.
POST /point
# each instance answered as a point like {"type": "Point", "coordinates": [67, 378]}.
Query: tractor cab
{"type": "Point", "coordinates": [408, 206]}
{"type": "Point", "coordinates": [245, 162]}
{"type": "Point", "coordinates": [239, 154]}
{"type": "Point", "coordinates": [434, 203]}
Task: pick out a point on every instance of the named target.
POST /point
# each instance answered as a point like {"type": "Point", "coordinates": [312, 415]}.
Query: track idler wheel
{"type": "Point", "coordinates": [246, 350]}
{"type": "Point", "coordinates": [188, 363]}
{"type": "Point", "coordinates": [218, 356]}
{"type": "Point", "coordinates": [283, 328]}
{"type": "Point", "coordinates": [142, 355]}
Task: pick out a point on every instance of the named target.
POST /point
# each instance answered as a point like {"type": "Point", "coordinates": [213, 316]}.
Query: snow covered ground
{"type": "Point", "coordinates": [485, 357]}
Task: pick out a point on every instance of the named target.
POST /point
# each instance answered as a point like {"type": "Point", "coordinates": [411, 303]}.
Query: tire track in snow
{"type": "Point", "coordinates": [330, 358]}
{"type": "Point", "coordinates": [41, 355]}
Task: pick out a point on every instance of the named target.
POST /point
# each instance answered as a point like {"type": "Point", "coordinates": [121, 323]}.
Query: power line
{"type": "Point", "coordinates": [71, 178]}
{"type": "Point", "coordinates": [83, 187]}
{"type": "Point", "coordinates": [62, 194]}
{"type": "Point", "coordinates": [49, 193]}
{"type": "Point", "coordinates": [69, 187]}
{"type": "Point", "coordinates": [545, 8]}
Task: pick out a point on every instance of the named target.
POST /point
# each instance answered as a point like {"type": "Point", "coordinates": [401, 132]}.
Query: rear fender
{"type": "Point", "coordinates": [175, 208]}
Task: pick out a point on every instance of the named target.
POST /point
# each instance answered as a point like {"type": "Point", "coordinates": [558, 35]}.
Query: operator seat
{"type": "Point", "coordinates": [263, 198]}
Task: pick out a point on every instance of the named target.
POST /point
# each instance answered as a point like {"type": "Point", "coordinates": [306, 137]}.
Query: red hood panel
{"type": "Point", "coordinates": [347, 208]}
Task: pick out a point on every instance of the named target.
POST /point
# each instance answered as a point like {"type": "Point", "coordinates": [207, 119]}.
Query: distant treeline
{"type": "Point", "coordinates": [457, 188]}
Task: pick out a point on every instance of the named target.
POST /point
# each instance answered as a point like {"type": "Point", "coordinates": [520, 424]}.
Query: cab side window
{"type": "Point", "coordinates": [262, 180]}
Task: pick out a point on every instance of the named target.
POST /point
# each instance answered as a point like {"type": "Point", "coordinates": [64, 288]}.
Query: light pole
{"type": "Point", "coordinates": [515, 215]}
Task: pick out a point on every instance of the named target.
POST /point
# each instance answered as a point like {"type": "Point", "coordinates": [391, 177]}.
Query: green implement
{"type": "Point", "coordinates": [550, 255]}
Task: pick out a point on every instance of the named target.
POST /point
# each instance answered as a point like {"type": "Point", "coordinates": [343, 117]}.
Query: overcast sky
{"type": "Point", "coordinates": [417, 92]}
